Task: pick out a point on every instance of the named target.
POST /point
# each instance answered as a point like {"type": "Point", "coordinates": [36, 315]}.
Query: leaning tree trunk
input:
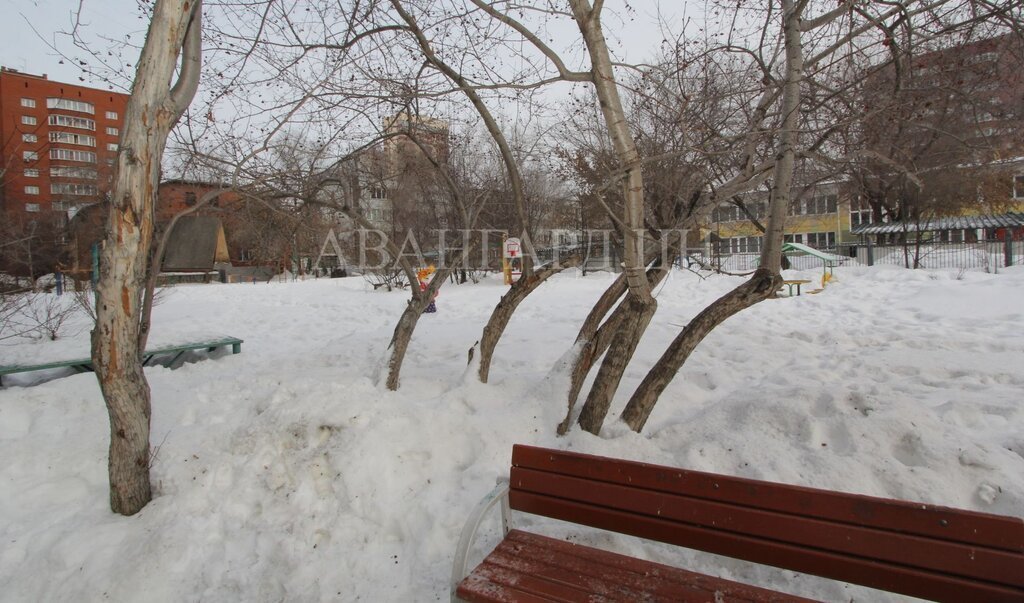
{"type": "Point", "coordinates": [151, 113]}
{"type": "Point", "coordinates": [502, 313]}
{"type": "Point", "coordinates": [403, 335]}
{"type": "Point", "coordinates": [639, 298]}
{"type": "Point", "coordinates": [586, 344]}
{"type": "Point", "coordinates": [637, 315]}
{"type": "Point", "coordinates": [410, 317]}
{"type": "Point", "coordinates": [596, 337]}
{"type": "Point", "coordinates": [758, 288]}
{"type": "Point", "coordinates": [766, 279]}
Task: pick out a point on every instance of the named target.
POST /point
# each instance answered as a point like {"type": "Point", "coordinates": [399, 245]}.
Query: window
{"type": "Point", "coordinates": [60, 205]}
{"type": "Point", "coordinates": [30, 155]}
{"type": "Point", "coordinates": [1018, 186]}
{"type": "Point", "coordinates": [72, 122]}
{"type": "Point", "coordinates": [31, 190]}
{"type": "Point", "coordinates": [31, 173]}
{"type": "Point", "coordinates": [860, 213]}
{"type": "Point", "coordinates": [112, 146]}
{"type": "Point", "coordinates": [112, 131]}
{"type": "Point", "coordinates": [817, 205]}
{"type": "Point", "coordinates": [72, 188]}
{"type": "Point", "coordinates": [732, 213]}
{"type": "Point", "coordinates": [740, 245]}
{"type": "Point", "coordinates": [29, 138]}
{"type": "Point", "coordinates": [952, 236]}
{"type": "Point", "coordinates": [71, 171]}
{"type": "Point", "coordinates": [378, 192]}
{"type": "Point", "coordinates": [70, 155]}
{"type": "Point", "coordinates": [70, 105]}
{"type": "Point", "coordinates": [190, 199]}
{"type": "Point", "coordinates": [28, 102]}
{"type": "Point", "coordinates": [821, 240]}
{"type": "Point", "coordinates": [111, 115]}
{"type": "Point", "coordinates": [28, 120]}
{"type": "Point", "coordinates": [70, 138]}
{"type": "Point", "coordinates": [32, 207]}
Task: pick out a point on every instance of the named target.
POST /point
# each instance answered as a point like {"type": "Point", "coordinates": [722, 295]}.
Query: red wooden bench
{"type": "Point", "coordinates": [902, 547]}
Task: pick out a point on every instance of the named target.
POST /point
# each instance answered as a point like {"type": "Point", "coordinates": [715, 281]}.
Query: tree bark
{"type": "Point", "coordinates": [595, 337]}
{"type": "Point", "coordinates": [588, 18]}
{"type": "Point", "coordinates": [637, 315]}
{"type": "Point", "coordinates": [410, 316]}
{"type": "Point", "coordinates": [151, 113]}
{"type": "Point", "coordinates": [585, 341]}
{"type": "Point", "coordinates": [502, 313]}
{"type": "Point", "coordinates": [766, 279]}
{"type": "Point", "coordinates": [758, 288]}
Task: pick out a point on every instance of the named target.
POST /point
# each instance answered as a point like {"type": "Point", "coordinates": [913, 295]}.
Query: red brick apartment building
{"type": "Point", "coordinates": [59, 145]}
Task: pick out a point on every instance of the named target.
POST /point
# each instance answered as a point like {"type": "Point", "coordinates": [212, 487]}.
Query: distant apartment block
{"type": "Point", "coordinates": [956, 118]}
{"type": "Point", "coordinates": [59, 141]}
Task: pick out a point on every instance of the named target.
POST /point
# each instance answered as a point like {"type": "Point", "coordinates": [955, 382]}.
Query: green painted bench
{"type": "Point", "coordinates": [85, 364]}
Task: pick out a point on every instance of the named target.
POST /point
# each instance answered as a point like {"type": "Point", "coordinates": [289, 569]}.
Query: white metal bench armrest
{"type": "Point", "coordinates": [459, 566]}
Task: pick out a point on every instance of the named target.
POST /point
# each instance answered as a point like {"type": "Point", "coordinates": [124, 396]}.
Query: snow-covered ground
{"type": "Point", "coordinates": [284, 473]}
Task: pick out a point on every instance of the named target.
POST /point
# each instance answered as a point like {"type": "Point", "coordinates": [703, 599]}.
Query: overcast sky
{"type": "Point", "coordinates": [31, 29]}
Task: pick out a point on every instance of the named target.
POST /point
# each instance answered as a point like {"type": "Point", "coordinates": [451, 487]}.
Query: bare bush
{"type": "Point", "coordinates": [36, 315]}
{"type": "Point", "coordinates": [389, 278]}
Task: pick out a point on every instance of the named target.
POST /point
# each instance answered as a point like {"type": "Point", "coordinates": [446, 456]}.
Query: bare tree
{"type": "Point", "coordinates": [920, 17]}
{"type": "Point", "coordinates": [153, 109]}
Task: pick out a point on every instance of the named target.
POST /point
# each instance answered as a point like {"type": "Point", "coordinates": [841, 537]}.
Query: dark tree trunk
{"type": "Point", "coordinates": [502, 313]}
{"type": "Point", "coordinates": [765, 279]}
{"type": "Point", "coordinates": [637, 315]}
{"type": "Point", "coordinates": [595, 337]}
{"type": "Point", "coordinates": [402, 336]}
{"type": "Point", "coordinates": [758, 288]}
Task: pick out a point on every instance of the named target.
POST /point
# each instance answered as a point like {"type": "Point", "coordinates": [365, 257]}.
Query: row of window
{"type": "Point", "coordinates": [64, 171]}
{"type": "Point", "coordinates": [732, 213]}
{"type": "Point", "coordinates": [71, 138]}
{"type": "Point", "coordinates": [69, 122]}
{"type": "Point", "coordinates": [818, 240]}
{"type": "Point", "coordinates": [739, 245]}
{"type": "Point", "coordinates": [74, 122]}
{"type": "Point", "coordinates": [69, 105]}
{"type": "Point", "coordinates": [56, 206]}
{"type": "Point", "coordinates": [821, 204]}
{"type": "Point", "coordinates": [67, 154]}
{"type": "Point", "coordinates": [65, 188]}
{"type": "Point", "coordinates": [818, 205]}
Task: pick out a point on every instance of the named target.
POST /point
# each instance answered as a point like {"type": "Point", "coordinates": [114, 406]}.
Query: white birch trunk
{"type": "Point", "coordinates": [151, 113]}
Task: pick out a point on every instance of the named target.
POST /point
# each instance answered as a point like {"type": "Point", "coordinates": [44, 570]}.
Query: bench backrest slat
{"type": "Point", "coordinates": [921, 550]}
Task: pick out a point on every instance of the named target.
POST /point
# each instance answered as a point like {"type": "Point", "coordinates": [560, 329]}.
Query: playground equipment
{"type": "Point", "coordinates": [512, 259]}
{"type": "Point", "coordinates": [829, 261]}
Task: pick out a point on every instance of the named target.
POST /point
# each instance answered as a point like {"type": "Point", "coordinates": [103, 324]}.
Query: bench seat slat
{"type": "Point", "coordinates": [586, 568]}
{"type": "Point", "coordinates": [484, 587]}
{"type": "Point", "coordinates": [649, 576]}
{"type": "Point", "coordinates": [968, 527]}
{"type": "Point", "coordinates": [564, 571]}
{"type": "Point", "coordinates": [887, 546]}
{"type": "Point", "coordinates": [893, 578]}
